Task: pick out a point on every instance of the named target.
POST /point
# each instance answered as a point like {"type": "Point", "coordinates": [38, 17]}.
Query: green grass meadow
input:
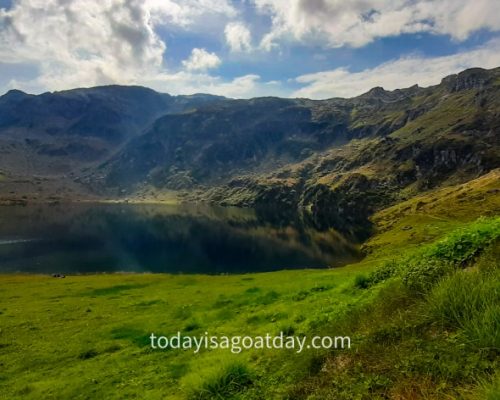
{"type": "Point", "coordinates": [423, 317]}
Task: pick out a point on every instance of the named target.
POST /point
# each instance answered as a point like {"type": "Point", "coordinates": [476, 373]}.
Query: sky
{"type": "Point", "coordinates": [244, 48]}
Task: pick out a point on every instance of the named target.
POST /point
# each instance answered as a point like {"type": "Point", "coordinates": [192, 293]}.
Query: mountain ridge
{"type": "Point", "coordinates": [339, 158]}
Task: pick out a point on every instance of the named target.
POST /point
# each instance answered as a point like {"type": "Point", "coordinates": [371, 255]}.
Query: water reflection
{"type": "Point", "coordinates": [83, 238]}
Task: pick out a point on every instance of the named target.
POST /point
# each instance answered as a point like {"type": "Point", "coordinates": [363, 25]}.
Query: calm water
{"type": "Point", "coordinates": [84, 238]}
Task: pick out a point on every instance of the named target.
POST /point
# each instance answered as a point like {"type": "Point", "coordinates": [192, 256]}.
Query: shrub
{"type": "Point", "coordinates": [462, 245]}
{"type": "Point", "coordinates": [288, 330]}
{"type": "Point", "coordinates": [361, 281]}
{"type": "Point", "coordinates": [301, 295]}
{"type": "Point", "coordinates": [321, 288]}
{"type": "Point", "coordinates": [385, 271]}
{"type": "Point", "coordinates": [421, 275]}
{"type": "Point", "coordinates": [456, 250]}
{"type": "Point", "coordinates": [253, 290]}
{"type": "Point", "coordinates": [88, 354]}
{"type": "Point", "coordinates": [490, 259]}
{"type": "Point", "coordinates": [225, 383]}
{"type": "Point", "coordinates": [192, 326]}
{"type": "Point", "coordinates": [423, 269]}
{"type": "Point", "coordinates": [268, 298]}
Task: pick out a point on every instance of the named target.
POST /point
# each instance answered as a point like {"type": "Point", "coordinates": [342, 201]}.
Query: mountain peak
{"type": "Point", "coordinates": [14, 94]}
{"type": "Point", "coordinates": [473, 78]}
{"type": "Point", "coordinates": [376, 91]}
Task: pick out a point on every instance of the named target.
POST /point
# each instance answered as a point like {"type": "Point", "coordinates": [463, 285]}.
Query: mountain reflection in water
{"type": "Point", "coordinates": [85, 238]}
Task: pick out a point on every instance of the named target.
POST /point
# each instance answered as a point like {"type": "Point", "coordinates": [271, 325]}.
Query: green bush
{"type": "Point", "coordinates": [288, 330]}
{"type": "Point", "coordinates": [463, 245]}
{"type": "Point", "coordinates": [424, 269]}
{"type": "Point", "coordinates": [225, 383]}
{"type": "Point", "coordinates": [362, 281]}
{"type": "Point", "coordinates": [385, 271]}
{"type": "Point", "coordinates": [421, 275]}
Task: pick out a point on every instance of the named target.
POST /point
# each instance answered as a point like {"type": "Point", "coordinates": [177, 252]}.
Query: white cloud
{"type": "Point", "coordinates": [62, 44]}
{"type": "Point", "coordinates": [201, 60]}
{"type": "Point", "coordinates": [358, 22]}
{"type": "Point", "coordinates": [192, 14]}
{"type": "Point", "coordinates": [75, 43]}
{"type": "Point", "coordinates": [91, 42]}
{"type": "Point", "coordinates": [238, 37]}
{"type": "Point", "coordinates": [185, 82]}
{"type": "Point", "coordinates": [400, 73]}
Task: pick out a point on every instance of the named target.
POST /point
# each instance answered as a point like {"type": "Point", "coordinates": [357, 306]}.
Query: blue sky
{"type": "Point", "coordinates": [247, 48]}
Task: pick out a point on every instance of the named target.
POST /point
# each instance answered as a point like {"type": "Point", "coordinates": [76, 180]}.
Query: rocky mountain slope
{"type": "Point", "coordinates": [60, 132]}
{"type": "Point", "coordinates": [339, 158]}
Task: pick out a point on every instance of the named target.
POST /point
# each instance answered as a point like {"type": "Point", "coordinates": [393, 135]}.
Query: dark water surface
{"type": "Point", "coordinates": [85, 238]}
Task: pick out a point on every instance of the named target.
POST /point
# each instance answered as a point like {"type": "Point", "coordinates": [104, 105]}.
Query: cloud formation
{"type": "Point", "coordinates": [91, 41]}
{"type": "Point", "coordinates": [62, 44]}
{"type": "Point", "coordinates": [400, 73]}
{"type": "Point", "coordinates": [192, 14]}
{"type": "Point", "coordinates": [358, 22]}
{"type": "Point", "coordinates": [201, 60]}
{"type": "Point", "coordinates": [238, 37]}
{"type": "Point", "coordinates": [246, 86]}
{"type": "Point", "coordinates": [95, 42]}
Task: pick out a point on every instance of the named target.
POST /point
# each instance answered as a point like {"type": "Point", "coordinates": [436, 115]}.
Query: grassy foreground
{"type": "Point", "coordinates": [422, 311]}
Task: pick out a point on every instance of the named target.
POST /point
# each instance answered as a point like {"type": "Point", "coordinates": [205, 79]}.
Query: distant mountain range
{"type": "Point", "coordinates": [60, 132]}
{"type": "Point", "coordinates": [347, 156]}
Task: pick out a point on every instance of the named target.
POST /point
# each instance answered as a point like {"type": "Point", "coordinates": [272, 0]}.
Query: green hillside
{"type": "Point", "coordinates": [421, 310]}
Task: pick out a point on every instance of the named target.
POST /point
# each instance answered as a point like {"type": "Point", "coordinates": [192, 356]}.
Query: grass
{"type": "Point", "coordinates": [224, 383]}
{"type": "Point", "coordinates": [426, 217]}
{"type": "Point", "coordinates": [88, 336]}
{"type": "Point", "coordinates": [489, 389]}
{"type": "Point", "coordinates": [421, 269]}
{"type": "Point", "coordinates": [469, 301]}
{"type": "Point", "coordinates": [431, 346]}
{"type": "Point", "coordinates": [83, 329]}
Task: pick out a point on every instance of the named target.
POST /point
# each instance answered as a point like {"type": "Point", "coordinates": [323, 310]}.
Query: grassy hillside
{"type": "Point", "coordinates": [421, 309]}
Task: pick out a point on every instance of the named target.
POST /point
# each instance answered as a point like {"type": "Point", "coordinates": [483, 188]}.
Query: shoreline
{"type": "Point", "coordinates": [165, 274]}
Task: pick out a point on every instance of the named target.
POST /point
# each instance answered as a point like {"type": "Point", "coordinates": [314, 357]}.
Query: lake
{"type": "Point", "coordinates": [88, 238]}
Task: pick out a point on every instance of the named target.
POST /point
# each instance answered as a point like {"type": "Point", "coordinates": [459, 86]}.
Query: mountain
{"type": "Point", "coordinates": [339, 158]}
{"type": "Point", "coordinates": [59, 132]}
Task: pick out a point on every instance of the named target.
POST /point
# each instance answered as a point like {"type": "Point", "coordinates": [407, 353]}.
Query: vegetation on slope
{"type": "Point", "coordinates": [436, 344]}
{"type": "Point", "coordinates": [391, 147]}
